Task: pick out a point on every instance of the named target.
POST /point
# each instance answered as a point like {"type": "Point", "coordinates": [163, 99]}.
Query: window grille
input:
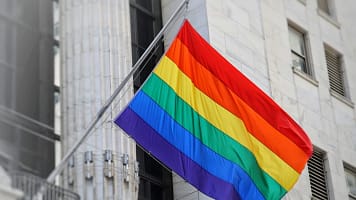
{"type": "Point", "coordinates": [335, 72]}
{"type": "Point", "coordinates": [317, 176]}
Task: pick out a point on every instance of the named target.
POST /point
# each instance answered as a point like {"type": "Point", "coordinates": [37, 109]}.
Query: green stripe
{"type": "Point", "coordinates": [210, 136]}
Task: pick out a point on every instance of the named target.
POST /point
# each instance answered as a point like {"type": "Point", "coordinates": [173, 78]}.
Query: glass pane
{"type": "Point", "coordinates": [147, 4]}
{"type": "Point", "coordinates": [133, 25]}
{"type": "Point", "coordinates": [301, 45]}
{"type": "Point", "coordinates": [144, 25]}
{"type": "Point", "coordinates": [351, 182]}
{"type": "Point", "coordinates": [156, 192]}
{"type": "Point", "coordinates": [152, 167]}
{"type": "Point", "coordinates": [299, 63]}
{"type": "Point", "coordinates": [144, 188]}
{"type": "Point", "coordinates": [297, 41]}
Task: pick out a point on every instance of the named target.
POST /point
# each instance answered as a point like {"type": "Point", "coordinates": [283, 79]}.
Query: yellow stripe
{"type": "Point", "coordinates": [225, 121]}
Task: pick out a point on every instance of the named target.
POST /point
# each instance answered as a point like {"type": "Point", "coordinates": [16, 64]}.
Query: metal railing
{"type": "Point", "coordinates": [36, 188]}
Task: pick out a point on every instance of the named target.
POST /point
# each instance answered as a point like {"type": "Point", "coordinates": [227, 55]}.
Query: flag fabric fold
{"type": "Point", "coordinates": [207, 122]}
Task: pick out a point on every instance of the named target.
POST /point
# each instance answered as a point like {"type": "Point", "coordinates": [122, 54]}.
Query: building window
{"type": "Point", "coordinates": [155, 180]}
{"type": "Point", "coordinates": [299, 50]}
{"type": "Point", "coordinates": [146, 22]}
{"type": "Point", "coordinates": [350, 175]}
{"type": "Point", "coordinates": [324, 6]}
{"type": "Point", "coordinates": [335, 71]}
{"type": "Point", "coordinates": [317, 176]}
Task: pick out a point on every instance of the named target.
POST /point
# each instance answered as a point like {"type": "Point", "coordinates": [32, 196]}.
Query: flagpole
{"type": "Point", "coordinates": [109, 101]}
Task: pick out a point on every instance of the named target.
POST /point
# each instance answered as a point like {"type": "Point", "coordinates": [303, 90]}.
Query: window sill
{"type": "Point", "coordinates": [328, 18]}
{"type": "Point", "coordinates": [305, 77]}
{"type": "Point", "coordinates": [343, 99]}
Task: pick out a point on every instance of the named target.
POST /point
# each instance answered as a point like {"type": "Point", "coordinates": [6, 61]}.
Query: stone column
{"type": "Point", "coordinates": [95, 48]}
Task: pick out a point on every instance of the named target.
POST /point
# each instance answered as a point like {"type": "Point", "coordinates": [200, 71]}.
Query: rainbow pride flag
{"type": "Point", "coordinates": [207, 122]}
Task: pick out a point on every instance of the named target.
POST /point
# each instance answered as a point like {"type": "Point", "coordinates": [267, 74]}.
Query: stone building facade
{"type": "Point", "coordinates": [302, 53]}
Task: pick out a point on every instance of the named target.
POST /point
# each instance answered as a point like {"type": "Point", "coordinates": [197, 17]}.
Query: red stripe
{"type": "Point", "coordinates": [243, 88]}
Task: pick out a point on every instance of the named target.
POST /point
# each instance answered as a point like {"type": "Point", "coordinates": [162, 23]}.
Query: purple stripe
{"type": "Point", "coordinates": [173, 158]}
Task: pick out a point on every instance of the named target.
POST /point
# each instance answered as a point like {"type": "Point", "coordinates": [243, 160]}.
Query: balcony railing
{"type": "Point", "coordinates": [35, 188]}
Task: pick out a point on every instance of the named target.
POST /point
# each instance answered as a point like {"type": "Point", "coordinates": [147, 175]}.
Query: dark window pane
{"type": "Point", "coordinates": [135, 53]}
{"type": "Point", "coordinates": [153, 167]}
{"type": "Point", "coordinates": [144, 189]}
{"type": "Point", "coordinates": [156, 192]}
{"type": "Point", "coordinates": [145, 69]}
{"type": "Point", "coordinates": [147, 4]}
{"type": "Point", "coordinates": [144, 29]}
{"type": "Point", "coordinates": [133, 25]}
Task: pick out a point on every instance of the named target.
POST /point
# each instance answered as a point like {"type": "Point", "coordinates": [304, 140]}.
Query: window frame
{"type": "Point", "coordinates": [325, 7]}
{"type": "Point", "coordinates": [311, 163]}
{"type": "Point", "coordinates": [329, 14]}
{"type": "Point", "coordinates": [306, 47]}
{"type": "Point", "coordinates": [345, 95]}
{"type": "Point", "coordinates": [351, 170]}
{"type": "Point", "coordinates": [339, 70]}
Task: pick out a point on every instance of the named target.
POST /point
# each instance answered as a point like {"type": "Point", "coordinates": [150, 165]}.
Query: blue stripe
{"type": "Point", "coordinates": [183, 140]}
{"type": "Point", "coordinates": [149, 139]}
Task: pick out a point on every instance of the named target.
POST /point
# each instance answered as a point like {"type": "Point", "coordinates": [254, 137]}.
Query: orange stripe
{"type": "Point", "coordinates": [255, 124]}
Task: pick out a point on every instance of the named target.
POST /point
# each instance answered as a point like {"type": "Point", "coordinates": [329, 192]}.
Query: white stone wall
{"type": "Point", "coordinates": [253, 35]}
{"type": "Point", "coordinates": [329, 122]}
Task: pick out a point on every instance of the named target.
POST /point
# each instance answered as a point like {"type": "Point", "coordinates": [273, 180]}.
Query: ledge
{"type": "Point", "coordinates": [8, 192]}
{"type": "Point", "coordinates": [343, 99]}
{"type": "Point", "coordinates": [304, 2]}
{"type": "Point", "coordinates": [305, 77]}
{"type": "Point", "coordinates": [328, 18]}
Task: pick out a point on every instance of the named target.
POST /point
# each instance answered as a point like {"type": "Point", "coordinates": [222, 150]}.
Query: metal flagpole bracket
{"type": "Point", "coordinates": [109, 101]}
{"type": "Point", "coordinates": [186, 9]}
